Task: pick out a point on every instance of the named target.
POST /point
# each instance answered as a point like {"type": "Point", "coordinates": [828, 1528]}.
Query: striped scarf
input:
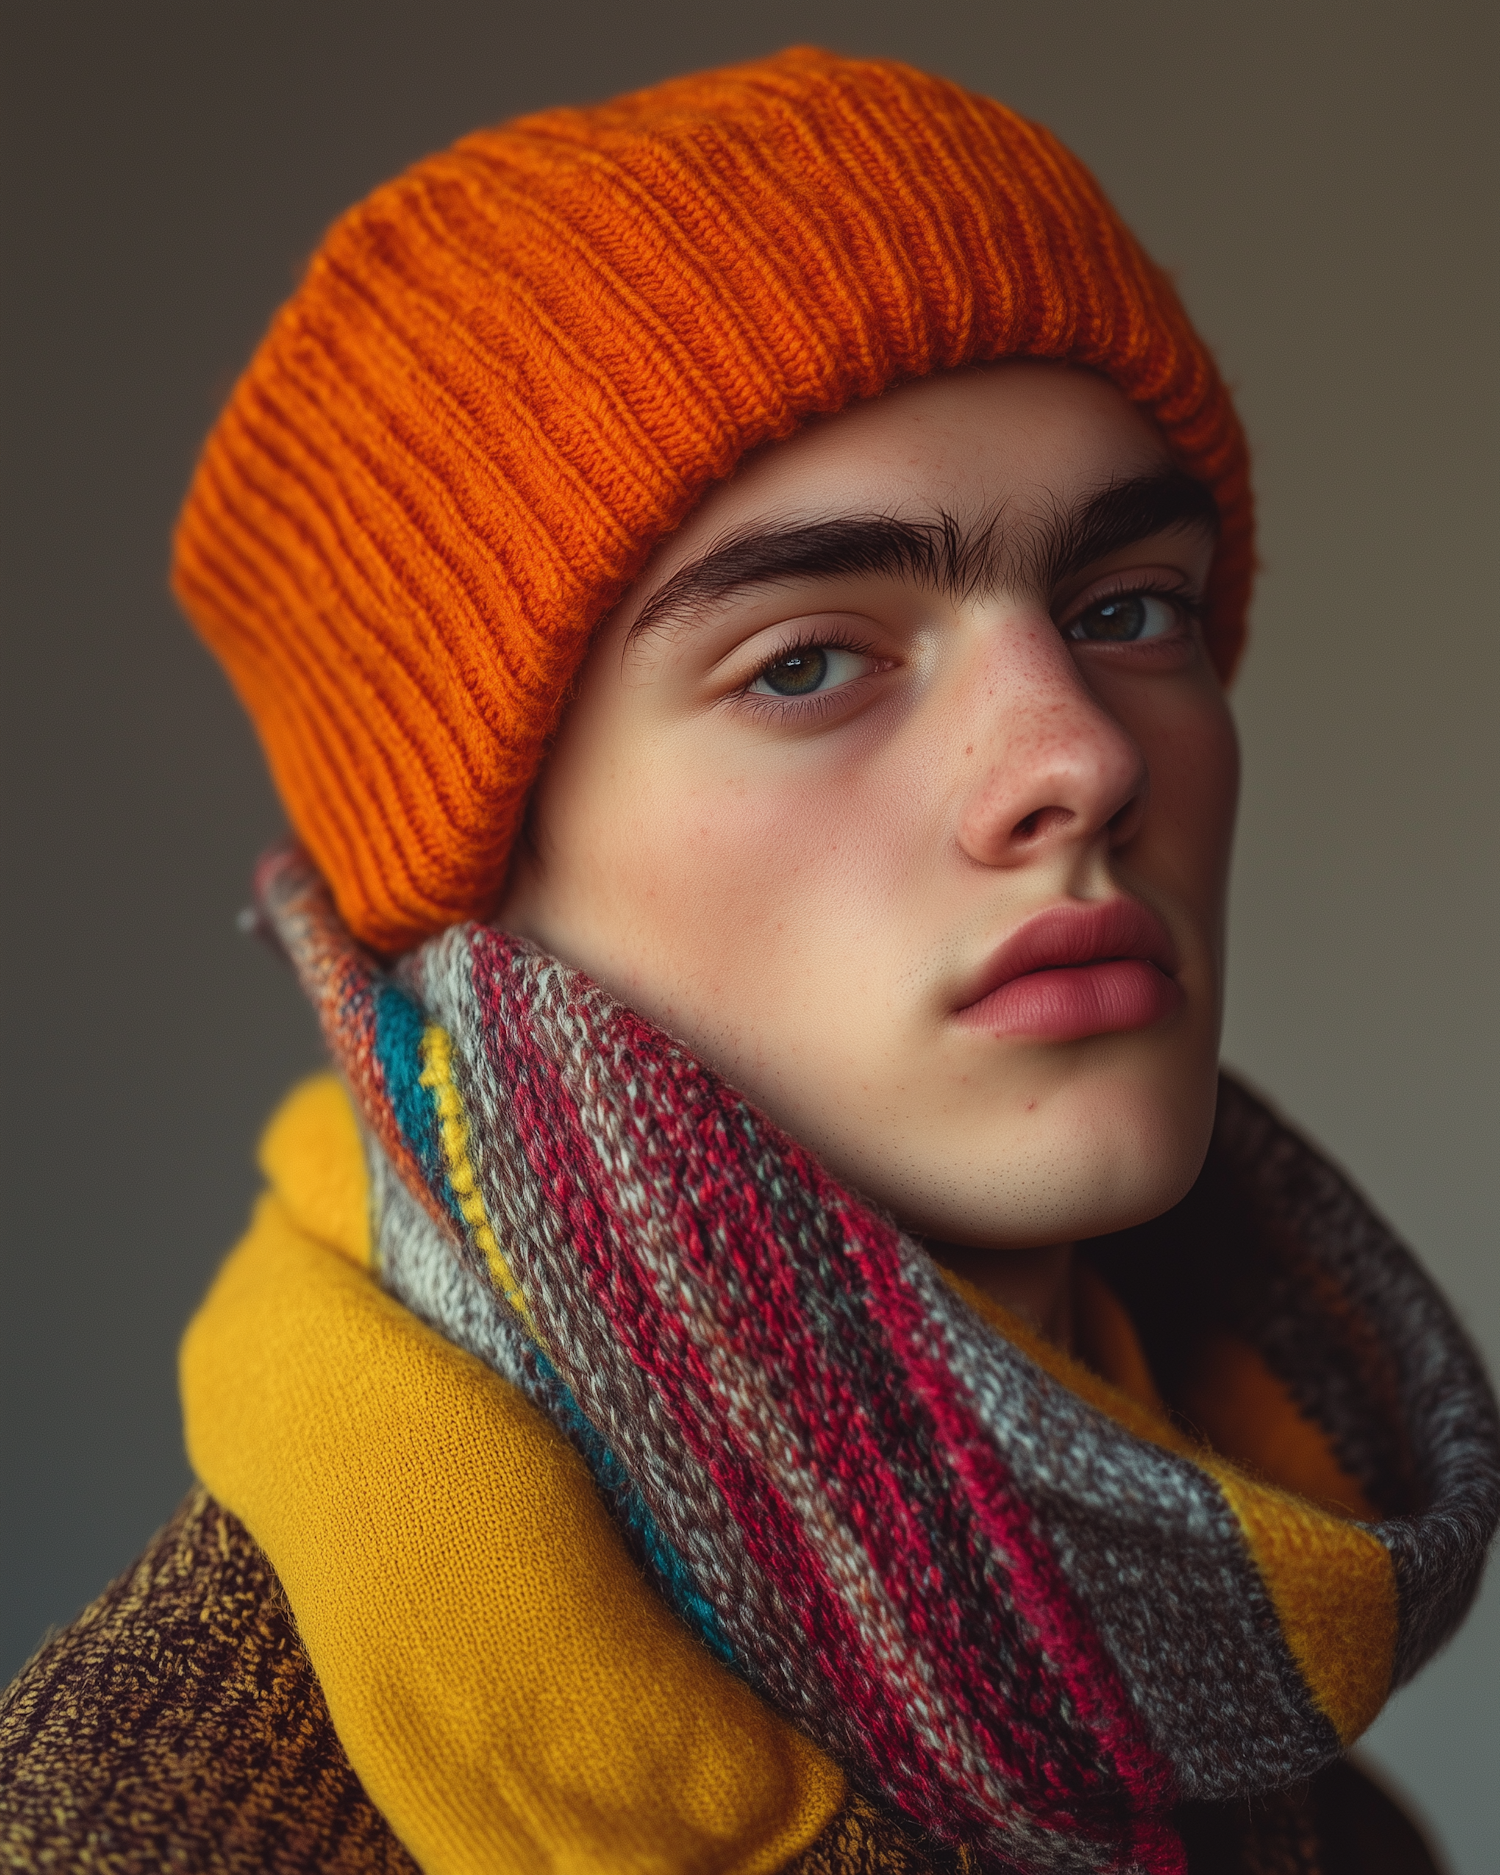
{"type": "Point", "coordinates": [1013, 1619]}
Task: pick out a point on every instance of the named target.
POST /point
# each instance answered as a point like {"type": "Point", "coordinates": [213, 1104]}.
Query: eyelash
{"type": "Point", "coordinates": [1192, 609]}
{"type": "Point", "coordinates": [819, 702]}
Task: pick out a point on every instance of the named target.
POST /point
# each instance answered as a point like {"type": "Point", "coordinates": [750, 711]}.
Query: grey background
{"type": "Point", "coordinates": [1321, 179]}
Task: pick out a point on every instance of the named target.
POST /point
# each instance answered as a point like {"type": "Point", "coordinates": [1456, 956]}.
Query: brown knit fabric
{"type": "Point", "coordinates": [1340, 1823]}
{"type": "Point", "coordinates": [863, 1840]}
{"type": "Point", "coordinates": [178, 1725]}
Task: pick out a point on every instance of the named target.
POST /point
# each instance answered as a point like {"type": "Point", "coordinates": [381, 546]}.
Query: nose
{"type": "Point", "coordinates": [1049, 768]}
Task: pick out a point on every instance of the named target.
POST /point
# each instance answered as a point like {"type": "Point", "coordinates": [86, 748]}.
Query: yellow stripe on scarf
{"type": "Point", "coordinates": [453, 1130]}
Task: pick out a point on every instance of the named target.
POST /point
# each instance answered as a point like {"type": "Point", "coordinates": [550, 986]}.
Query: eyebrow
{"type": "Point", "coordinates": [962, 561]}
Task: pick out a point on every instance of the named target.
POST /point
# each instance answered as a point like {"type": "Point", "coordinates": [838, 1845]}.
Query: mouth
{"type": "Point", "coordinates": [1074, 970]}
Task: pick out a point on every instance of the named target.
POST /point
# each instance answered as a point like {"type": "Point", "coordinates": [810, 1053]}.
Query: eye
{"type": "Point", "coordinates": [806, 670]}
{"type": "Point", "coordinates": [1126, 618]}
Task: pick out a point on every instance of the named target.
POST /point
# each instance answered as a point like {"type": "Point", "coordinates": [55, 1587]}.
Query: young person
{"type": "Point", "coordinates": [778, 1351]}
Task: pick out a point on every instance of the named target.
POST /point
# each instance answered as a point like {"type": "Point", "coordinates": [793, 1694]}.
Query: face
{"type": "Point", "coordinates": [900, 788]}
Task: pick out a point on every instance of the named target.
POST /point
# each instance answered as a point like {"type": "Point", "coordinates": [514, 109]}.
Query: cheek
{"type": "Point", "coordinates": [1192, 753]}
{"type": "Point", "coordinates": [750, 867]}
{"type": "Point", "coordinates": [741, 909]}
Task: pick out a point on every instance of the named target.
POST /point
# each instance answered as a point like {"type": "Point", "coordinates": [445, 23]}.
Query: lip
{"type": "Point", "coordinates": [1074, 970]}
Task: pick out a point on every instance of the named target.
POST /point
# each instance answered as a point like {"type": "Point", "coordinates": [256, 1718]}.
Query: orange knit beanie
{"type": "Point", "coordinates": [513, 370]}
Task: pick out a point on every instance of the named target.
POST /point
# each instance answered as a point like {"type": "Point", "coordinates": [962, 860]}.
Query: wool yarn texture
{"type": "Point", "coordinates": [1025, 1615]}
{"type": "Point", "coordinates": [511, 372]}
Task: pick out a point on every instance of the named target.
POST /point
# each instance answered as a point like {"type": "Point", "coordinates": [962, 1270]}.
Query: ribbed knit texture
{"type": "Point", "coordinates": [513, 370]}
{"type": "Point", "coordinates": [1029, 1614]}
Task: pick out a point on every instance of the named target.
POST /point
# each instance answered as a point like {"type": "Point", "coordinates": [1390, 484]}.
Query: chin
{"type": "Point", "coordinates": [1109, 1145]}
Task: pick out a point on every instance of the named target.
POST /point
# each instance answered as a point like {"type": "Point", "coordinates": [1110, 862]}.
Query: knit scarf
{"type": "Point", "coordinates": [1017, 1617]}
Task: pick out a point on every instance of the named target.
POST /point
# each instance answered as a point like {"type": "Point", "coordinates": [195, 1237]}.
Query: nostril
{"type": "Point", "coordinates": [1042, 820]}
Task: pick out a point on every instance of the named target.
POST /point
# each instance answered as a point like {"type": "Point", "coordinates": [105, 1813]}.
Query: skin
{"type": "Point", "coordinates": [805, 890]}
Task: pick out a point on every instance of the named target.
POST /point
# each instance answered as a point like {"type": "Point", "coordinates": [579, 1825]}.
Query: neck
{"type": "Point", "coordinates": [1034, 1284]}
